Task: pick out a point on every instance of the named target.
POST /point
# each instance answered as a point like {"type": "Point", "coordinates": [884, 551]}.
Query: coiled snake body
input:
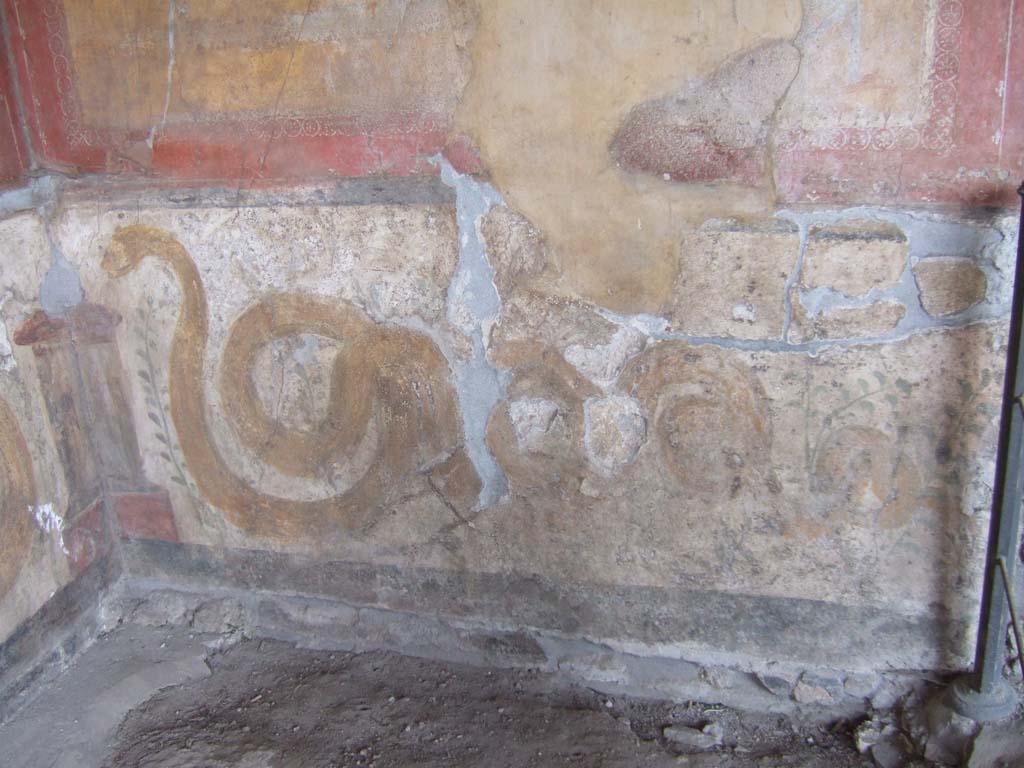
{"type": "Point", "coordinates": [392, 377]}
{"type": "Point", "coordinates": [17, 497]}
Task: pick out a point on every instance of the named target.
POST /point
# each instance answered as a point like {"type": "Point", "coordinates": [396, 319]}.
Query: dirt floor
{"type": "Point", "coordinates": [145, 698]}
{"type": "Point", "coordinates": [268, 704]}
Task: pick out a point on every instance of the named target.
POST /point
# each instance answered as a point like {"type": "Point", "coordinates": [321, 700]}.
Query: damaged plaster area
{"type": "Point", "coordinates": [568, 341]}
{"type": "Point", "coordinates": [50, 522]}
{"type": "Point", "coordinates": [61, 288]}
{"type": "Point", "coordinates": [473, 306]}
{"type": "Point", "coordinates": [921, 240]}
{"type": "Point", "coordinates": [713, 129]}
{"type": "Point", "coordinates": [7, 360]}
{"type": "Point", "coordinates": [962, 271]}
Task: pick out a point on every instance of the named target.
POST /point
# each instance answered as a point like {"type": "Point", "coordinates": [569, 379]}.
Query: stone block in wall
{"type": "Point", "coordinates": [854, 257]}
{"type": "Point", "coordinates": [844, 322]}
{"type": "Point", "coordinates": [615, 431]}
{"type": "Point", "coordinates": [732, 279]}
{"type": "Point", "coordinates": [949, 285]}
{"type": "Point", "coordinates": [515, 249]}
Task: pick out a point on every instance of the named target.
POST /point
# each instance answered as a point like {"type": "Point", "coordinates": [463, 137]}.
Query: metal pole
{"type": "Point", "coordinates": [1018, 634]}
{"type": "Point", "coordinates": [985, 695]}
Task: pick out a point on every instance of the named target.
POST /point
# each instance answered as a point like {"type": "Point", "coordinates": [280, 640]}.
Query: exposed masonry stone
{"type": "Point", "coordinates": [699, 740]}
{"type": "Point", "coordinates": [732, 279]}
{"type": "Point", "coordinates": [871, 320]}
{"type": "Point", "coordinates": [814, 688]}
{"type": "Point", "coordinates": [336, 625]}
{"type": "Point", "coordinates": [515, 248]}
{"type": "Point", "coordinates": [949, 285]}
{"type": "Point", "coordinates": [534, 420]}
{"type": "Point", "coordinates": [854, 257]}
{"type": "Point", "coordinates": [602, 363]}
{"type": "Point", "coordinates": [780, 686]}
{"type": "Point", "coordinates": [615, 430]}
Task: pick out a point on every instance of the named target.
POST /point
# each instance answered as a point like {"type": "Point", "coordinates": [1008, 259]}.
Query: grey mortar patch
{"type": "Point", "coordinates": [38, 192]}
{"type": "Point", "coordinates": [15, 200]}
{"type": "Point", "coordinates": [473, 305]}
{"type": "Point", "coordinates": [61, 288]}
{"type": "Point", "coordinates": [792, 280]}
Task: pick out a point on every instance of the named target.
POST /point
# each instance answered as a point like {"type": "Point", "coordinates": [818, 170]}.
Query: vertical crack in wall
{"type": "Point", "coordinates": [171, 8]}
{"type": "Point", "coordinates": [473, 306]}
{"type": "Point", "coordinates": [1004, 85]}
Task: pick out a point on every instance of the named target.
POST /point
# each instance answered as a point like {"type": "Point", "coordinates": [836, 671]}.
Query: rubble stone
{"type": "Point", "coordinates": [814, 688]}
{"type": "Point", "coordinates": [533, 419]}
{"type": "Point", "coordinates": [949, 285]}
{"type": "Point", "coordinates": [615, 430]}
{"type": "Point", "coordinates": [688, 738]}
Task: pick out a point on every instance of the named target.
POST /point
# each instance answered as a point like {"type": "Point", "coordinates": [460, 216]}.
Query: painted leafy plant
{"type": "Point", "coordinates": [863, 400]}
{"type": "Point", "coordinates": [157, 408]}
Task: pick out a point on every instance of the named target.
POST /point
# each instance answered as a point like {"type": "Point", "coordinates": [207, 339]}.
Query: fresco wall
{"type": "Point", "coordinates": [676, 327]}
{"type": "Point", "coordinates": [55, 544]}
{"type": "Point", "coordinates": [34, 563]}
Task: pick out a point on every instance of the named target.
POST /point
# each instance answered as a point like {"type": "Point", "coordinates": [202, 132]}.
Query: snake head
{"type": "Point", "coordinates": [125, 251]}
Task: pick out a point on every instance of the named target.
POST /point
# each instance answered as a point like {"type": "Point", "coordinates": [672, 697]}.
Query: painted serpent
{"type": "Point", "coordinates": [386, 381]}
{"type": "Point", "coordinates": [17, 498]}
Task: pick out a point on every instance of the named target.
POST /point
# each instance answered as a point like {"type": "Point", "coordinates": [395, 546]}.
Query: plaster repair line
{"type": "Point", "coordinates": [792, 281]}
{"type": "Point", "coordinates": [473, 305]}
